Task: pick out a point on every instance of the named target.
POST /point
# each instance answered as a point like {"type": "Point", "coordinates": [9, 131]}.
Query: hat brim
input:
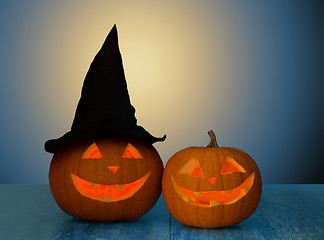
{"type": "Point", "coordinates": [136, 133]}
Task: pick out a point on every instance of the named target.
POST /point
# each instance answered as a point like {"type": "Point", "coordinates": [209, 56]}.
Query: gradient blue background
{"type": "Point", "coordinates": [271, 106]}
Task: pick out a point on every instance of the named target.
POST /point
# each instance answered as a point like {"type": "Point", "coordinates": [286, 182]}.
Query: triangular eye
{"type": "Point", "coordinates": [191, 168]}
{"type": "Point", "coordinates": [230, 166]}
{"type": "Point", "coordinates": [92, 152]}
{"type": "Point", "coordinates": [131, 152]}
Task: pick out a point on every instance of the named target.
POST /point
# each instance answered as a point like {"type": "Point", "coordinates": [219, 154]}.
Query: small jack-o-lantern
{"type": "Point", "coordinates": [106, 179]}
{"type": "Point", "coordinates": [211, 187]}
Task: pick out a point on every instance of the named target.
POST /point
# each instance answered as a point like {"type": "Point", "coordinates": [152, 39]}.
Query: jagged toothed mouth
{"type": "Point", "coordinates": [214, 198]}
{"type": "Point", "coordinates": [108, 193]}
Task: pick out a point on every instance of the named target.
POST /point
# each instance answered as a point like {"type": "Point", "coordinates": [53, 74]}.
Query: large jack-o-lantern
{"type": "Point", "coordinates": [211, 187]}
{"type": "Point", "coordinates": [106, 180]}
{"type": "Point", "coordinates": [105, 168]}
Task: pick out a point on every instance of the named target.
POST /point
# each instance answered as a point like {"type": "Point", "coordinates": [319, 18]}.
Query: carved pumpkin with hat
{"type": "Point", "coordinates": [105, 168]}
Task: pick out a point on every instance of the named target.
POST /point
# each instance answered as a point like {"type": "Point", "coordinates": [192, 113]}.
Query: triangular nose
{"type": "Point", "coordinates": [212, 180]}
{"type": "Point", "coordinates": [113, 169]}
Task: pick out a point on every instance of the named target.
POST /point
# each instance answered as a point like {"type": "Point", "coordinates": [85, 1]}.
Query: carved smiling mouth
{"type": "Point", "coordinates": [214, 198]}
{"type": "Point", "coordinates": [108, 193]}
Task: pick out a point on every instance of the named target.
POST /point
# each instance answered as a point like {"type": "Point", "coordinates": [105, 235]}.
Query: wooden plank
{"type": "Point", "coordinates": [295, 211]}
{"type": "Point", "coordinates": [29, 212]}
{"type": "Point", "coordinates": [80, 229]}
{"type": "Point", "coordinates": [182, 232]}
{"type": "Point", "coordinates": [285, 212]}
{"type": "Point", "coordinates": [255, 227]}
{"type": "Point", "coordinates": [153, 225]}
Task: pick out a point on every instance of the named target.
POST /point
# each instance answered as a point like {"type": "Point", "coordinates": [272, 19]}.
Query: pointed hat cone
{"type": "Point", "coordinates": [104, 109]}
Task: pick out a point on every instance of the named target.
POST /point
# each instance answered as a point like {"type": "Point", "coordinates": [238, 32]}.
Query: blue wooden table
{"type": "Point", "coordinates": [285, 212]}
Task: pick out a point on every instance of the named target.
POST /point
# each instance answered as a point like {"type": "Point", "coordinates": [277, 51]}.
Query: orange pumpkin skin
{"type": "Point", "coordinates": [99, 188]}
{"type": "Point", "coordinates": [216, 199]}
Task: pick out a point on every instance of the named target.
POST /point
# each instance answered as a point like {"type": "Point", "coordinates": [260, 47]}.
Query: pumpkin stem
{"type": "Point", "coordinates": [213, 142]}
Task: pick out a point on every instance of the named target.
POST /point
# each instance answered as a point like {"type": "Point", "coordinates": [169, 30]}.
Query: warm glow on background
{"type": "Point", "coordinates": [249, 71]}
{"type": "Point", "coordinates": [168, 51]}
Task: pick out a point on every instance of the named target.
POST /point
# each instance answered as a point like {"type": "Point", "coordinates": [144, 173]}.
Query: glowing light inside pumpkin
{"type": "Point", "coordinates": [212, 180]}
{"type": "Point", "coordinates": [131, 152]}
{"type": "Point", "coordinates": [191, 168]}
{"type": "Point", "coordinates": [108, 193]}
{"type": "Point", "coordinates": [113, 169]}
{"type": "Point", "coordinates": [92, 152]}
{"type": "Point", "coordinates": [230, 166]}
{"type": "Point", "coordinates": [214, 198]}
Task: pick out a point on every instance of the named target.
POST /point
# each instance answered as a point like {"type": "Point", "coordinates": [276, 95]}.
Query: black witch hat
{"type": "Point", "coordinates": [104, 109]}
